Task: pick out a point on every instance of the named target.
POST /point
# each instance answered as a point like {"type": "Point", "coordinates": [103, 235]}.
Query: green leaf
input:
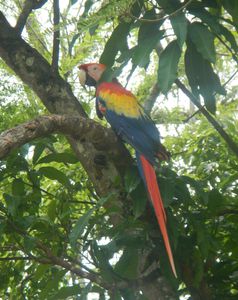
{"type": "Point", "coordinates": [229, 37]}
{"type": "Point", "coordinates": [140, 54]}
{"type": "Point", "coordinates": [231, 6]}
{"type": "Point", "coordinates": [207, 18]}
{"type": "Point", "coordinates": [102, 261]}
{"type": "Point", "coordinates": [83, 222]}
{"type": "Point", "coordinates": [180, 26]}
{"type": "Point", "coordinates": [72, 2]}
{"type": "Point", "coordinates": [148, 29]}
{"type": "Point", "coordinates": [203, 40]}
{"type": "Point", "coordinates": [215, 201]}
{"type": "Point", "coordinates": [86, 291]}
{"type": "Point", "coordinates": [127, 266]}
{"type": "Point", "coordinates": [67, 291]}
{"type": "Point", "coordinates": [168, 64]}
{"type": "Point", "coordinates": [52, 285]}
{"type": "Point", "coordinates": [169, 6]}
{"type": "Point", "coordinates": [38, 150]}
{"type": "Point", "coordinates": [132, 179]}
{"type": "Point", "coordinates": [52, 210]}
{"type": "Point", "coordinates": [167, 188]}
{"type": "Point", "coordinates": [88, 4]}
{"type": "Point", "coordinates": [79, 227]}
{"type": "Point", "coordinates": [148, 37]}
{"type": "Point", "coordinates": [128, 294]}
{"type": "Point", "coordinates": [116, 42]}
{"type": "Point", "coordinates": [29, 243]}
{"type": "Point", "coordinates": [12, 203]}
{"type": "Point", "coordinates": [18, 187]}
{"type": "Point", "coordinates": [40, 271]}
{"type": "Point", "coordinates": [198, 266]}
{"type": "Point", "coordinates": [59, 157]}
{"type": "Point", "coordinates": [139, 197]}
{"type": "Point", "coordinates": [16, 162]}
{"type": "Point", "coordinates": [202, 79]}
{"type": "Point", "coordinates": [54, 174]}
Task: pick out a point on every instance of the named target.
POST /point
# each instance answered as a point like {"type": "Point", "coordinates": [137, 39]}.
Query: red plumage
{"type": "Point", "coordinates": [154, 192]}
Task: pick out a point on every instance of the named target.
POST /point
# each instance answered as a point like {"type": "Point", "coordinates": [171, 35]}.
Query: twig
{"type": "Point", "coordinates": [224, 84]}
{"type": "Point", "coordinates": [190, 117]}
{"type": "Point", "coordinates": [70, 267]}
{"type": "Point", "coordinates": [174, 13]}
{"type": "Point", "coordinates": [56, 37]}
{"type": "Point", "coordinates": [40, 189]}
{"type": "Point", "coordinates": [228, 48]}
{"type": "Point", "coordinates": [230, 78]}
{"type": "Point", "coordinates": [228, 212]}
{"type": "Point", "coordinates": [232, 145]}
{"type": "Point", "coordinates": [16, 258]}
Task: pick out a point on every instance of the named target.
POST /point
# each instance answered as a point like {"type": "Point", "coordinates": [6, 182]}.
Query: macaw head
{"type": "Point", "coordinates": [90, 74]}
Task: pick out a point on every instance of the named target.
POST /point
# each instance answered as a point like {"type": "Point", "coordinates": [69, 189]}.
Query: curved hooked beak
{"type": "Point", "coordinates": [85, 78]}
{"type": "Point", "coordinates": [82, 76]}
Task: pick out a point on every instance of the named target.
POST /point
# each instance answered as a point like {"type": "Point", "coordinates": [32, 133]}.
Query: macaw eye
{"type": "Point", "coordinates": [94, 68]}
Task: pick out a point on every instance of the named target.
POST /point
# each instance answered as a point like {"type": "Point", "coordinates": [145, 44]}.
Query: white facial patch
{"type": "Point", "coordinates": [82, 76]}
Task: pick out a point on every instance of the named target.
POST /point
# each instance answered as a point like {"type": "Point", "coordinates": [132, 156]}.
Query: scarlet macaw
{"type": "Point", "coordinates": [128, 119]}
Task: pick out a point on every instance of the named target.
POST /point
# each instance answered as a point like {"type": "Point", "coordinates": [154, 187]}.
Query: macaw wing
{"type": "Point", "coordinates": [128, 119]}
{"type": "Point", "coordinates": [141, 133]}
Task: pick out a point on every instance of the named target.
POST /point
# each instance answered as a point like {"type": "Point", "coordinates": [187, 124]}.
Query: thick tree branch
{"type": "Point", "coordinates": [76, 126]}
{"type": "Point", "coordinates": [56, 37]}
{"type": "Point", "coordinates": [232, 145]}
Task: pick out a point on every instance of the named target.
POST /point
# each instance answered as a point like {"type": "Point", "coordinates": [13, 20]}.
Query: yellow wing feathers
{"type": "Point", "coordinates": [120, 101]}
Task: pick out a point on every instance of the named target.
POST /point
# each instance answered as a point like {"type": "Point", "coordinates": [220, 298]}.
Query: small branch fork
{"type": "Point", "coordinates": [48, 257]}
{"type": "Point", "coordinates": [28, 6]}
{"type": "Point", "coordinates": [230, 142]}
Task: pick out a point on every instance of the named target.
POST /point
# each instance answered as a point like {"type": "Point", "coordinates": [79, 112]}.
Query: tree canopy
{"type": "Point", "coordinates": [75, 220]}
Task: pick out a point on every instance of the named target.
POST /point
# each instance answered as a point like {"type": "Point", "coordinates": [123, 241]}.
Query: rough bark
{"type": "Point", "coordinates": [75, 126]}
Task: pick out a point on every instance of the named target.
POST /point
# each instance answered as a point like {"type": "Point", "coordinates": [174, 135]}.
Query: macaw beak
{"type": "Point", "coordinates": [82, 76]}
{"type": "Point", "coordinates": [85, 79]}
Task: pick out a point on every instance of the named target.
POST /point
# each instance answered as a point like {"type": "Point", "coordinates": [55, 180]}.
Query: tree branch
{"type": "Point", "coordinates": [150, 100]}
{"type": "Point", "coordinates": [15, 258]}
{"type": "Point", "coordinates": [75, 126]}
{"type": "Point", "coordinates": [56, 37]}
{"type": "Point", "coordinates": [154, 92]}
{"type": "Point", "coordinates": [232, 145]}
{"type": "Point", "coordinates": [79, 272]}
{"type": "Point", "coordinates": [28, 6]}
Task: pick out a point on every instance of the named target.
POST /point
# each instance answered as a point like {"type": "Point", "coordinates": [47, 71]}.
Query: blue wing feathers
{"type": "Point", "coordinates": [140, 133]}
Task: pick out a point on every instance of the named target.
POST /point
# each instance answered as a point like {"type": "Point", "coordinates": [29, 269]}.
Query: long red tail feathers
{"type": "Point", "coordinates": [153, 189]}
